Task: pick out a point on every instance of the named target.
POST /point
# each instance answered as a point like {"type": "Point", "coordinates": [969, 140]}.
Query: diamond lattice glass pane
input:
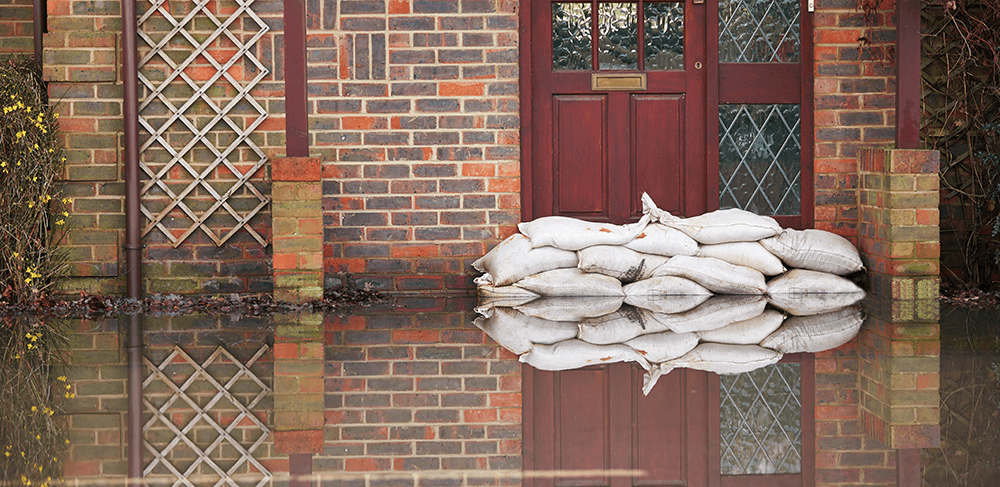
{"type": "Point", "coordinates": [571, 36]}
{"type": "Point", "coordinates": [618, 47]}
{"type": "Point", "coordinates": [759, 31]}
{"type": "Point", "coordinates": [760, 155]}
{"type": "Point", "coordinates": [664, 35]}
{"type": "Point", "coordinates": [761, 421]}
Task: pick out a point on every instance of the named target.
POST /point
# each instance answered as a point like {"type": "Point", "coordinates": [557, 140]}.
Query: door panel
{"type": "Point", "coordinates": [580, 155]}
{"type": "Point", "coordinates": [658, 128]}
{"type": "Point", "coordinates": [581, 433]}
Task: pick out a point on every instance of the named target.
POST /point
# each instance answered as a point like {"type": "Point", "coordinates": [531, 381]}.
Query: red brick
{"type": "Point", "coordinates": [479, 415]}
{"type": "Point", "coordinates": [299, 441]}
{"type": "Point", "coordinates": [296, 169]}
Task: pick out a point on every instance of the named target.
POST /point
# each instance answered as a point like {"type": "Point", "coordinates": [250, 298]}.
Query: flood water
{"type": "Point", "coordinates": [412, 393]}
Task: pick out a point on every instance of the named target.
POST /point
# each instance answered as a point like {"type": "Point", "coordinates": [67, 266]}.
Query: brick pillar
{"type": "Point", "coordinates": [898, 222]}
{"type": "Point", "coordinates": [297, 226]}
{"type": "Point", "coordinates": [298, 383]}
{"type": "Point", "coordinates": [900, 353]}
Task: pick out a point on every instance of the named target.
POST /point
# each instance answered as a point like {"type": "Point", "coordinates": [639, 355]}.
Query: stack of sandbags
{"type": "Point", "coordinates": [722, 252]}
{"type": "Point", "coordinates": [722, 334]}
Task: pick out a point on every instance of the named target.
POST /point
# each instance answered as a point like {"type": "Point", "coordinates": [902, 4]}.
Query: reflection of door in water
{"type": "Point", "coordinates": [619, 108]}
{"type": "Point", "coordinates": [595, 419]}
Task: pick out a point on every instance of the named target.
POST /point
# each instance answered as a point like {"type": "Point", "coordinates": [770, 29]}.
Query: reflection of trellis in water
{"type": "Point", "coordinates": [201, 415]}
{"type": "Point", "coordinates": [209, 127]}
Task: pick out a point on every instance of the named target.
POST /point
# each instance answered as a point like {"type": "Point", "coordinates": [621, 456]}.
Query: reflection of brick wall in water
{"type": "Point", "coordinates": [98, 413]}
{"type": "Point", "coordinates": [420, 391]}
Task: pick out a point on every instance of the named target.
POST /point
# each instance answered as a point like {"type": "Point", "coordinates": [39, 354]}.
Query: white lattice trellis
{"type": "Point", "coordinates": [201, 51]}
{"type": "Point", "coordinates": [163, 415]}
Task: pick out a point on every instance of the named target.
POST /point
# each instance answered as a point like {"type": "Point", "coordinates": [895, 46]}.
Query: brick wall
{"type": "Point", "coordinates": [854, 105]}
{"type": "Point", "coordinates": [418, 105]}
{"type": "Point", "coordinates": [16, 34]}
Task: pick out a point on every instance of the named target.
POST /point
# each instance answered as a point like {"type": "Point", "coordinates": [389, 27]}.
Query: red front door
{"type": "Point", "coordinates": [594, 427]}
{"type": "Point", "coordinates": [618, 108]}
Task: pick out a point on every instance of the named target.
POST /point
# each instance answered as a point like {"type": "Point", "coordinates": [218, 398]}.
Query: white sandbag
{"type": "Point", "coordinates": [816, 333]}
{"type": "Point", "coordinates": [746, 332]}
{"type": "Point", "coordinates": [509, 296]}
{"type": "Point", "coordinates": [815, 250]}
{"type": "Point", "coordinates": [571, 234]}
{"type": "Point", "coordinates": [665, 286]}
{"type": "Point", "coordinates": [571, 308]}
{"type": "Point", "coordinates": [660, 347]}
{"type": "Point", "coordinates": [814, 303]}
{"type": "Point", "coordinates": [619, 262]}
{"type": "Point", "coordinates": [716, 312]}
{"type": "Point", "coordinates": [724, 226]}
{"type": "Point", "coordinates": [715, 357]}
{"type": "Point", "coordinates": [618, 327]}
{"type": "Point", "coordinates": [659, 239]}
{"type": "Point", "coordinates": [801, 281]}
{"type": "Point", "coordinates": [517, 332]}
{"type": "Point", "coordinates": [514, 259]}
{"type": "Point", "coordinates": [668, 304]}
{"type": "Point", "coordinates": [746, 254]}
{"type": "Point", "coordinates": [571, 282]}
{"type": "Point", "coordinates": [715, 275]}
{"type": "Point", "coordinates": [573, 354]}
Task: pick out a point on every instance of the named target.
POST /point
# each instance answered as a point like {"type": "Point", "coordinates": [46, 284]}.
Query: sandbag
{"type": "Point", "coordinates": [509, 296]}
{"type": "Point", "coordinates": [660, 347]}
{"type": "Point", "coordinates": [670, 304]}
{"type": "Point", "coordinates": [659, 239]}
{"type": "Point", "coordinates": [571, 282]}
{"type": "Point", "coordinates": [715, 357]}
{"type": "Point", "coordinates": [571, 308]}
{"type": "Point", "coordinates": [573, 354]}
{"type": "Point", "coordinates": [571, 234]}
{"type": "Point", "coordinates": [618, 327]}
{"type": "Point", "coordinates": [801, 281]}
{"type": "Point", "coordinates": [814, 304]}
{"type": "Point", "coordinates": [514, 259]}
{"type": "Point", "coordinates": [715, 275]}
{"type": "Point", "coordinates": [618, 262]}
{"type": "Point", "coordinates": [665, 286]}
{"type": "Point", "coordinates": [724, 226]}
{"type": "Point", "coordinates": [516, 331]}
{"type": "Point", "coordinates": [816, 333]}
{"type": "Point", "coordinates": [716, 312]}
{"type": "Point", "coordinates": [746, 254]}
{"type": "Point", "coordinates": [746, 332]}
{"type": "Point", "coordinates": [815, 250]}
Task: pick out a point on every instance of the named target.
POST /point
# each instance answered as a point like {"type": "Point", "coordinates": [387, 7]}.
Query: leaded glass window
{"type": "Point", "coordinates": [571, 36]}
{"type": "Point", "coordinates": [760, 153]}
{"type": "Point", "coordinates": [759, 31]}
{"type": "Point", "coordinates": [761, 421]}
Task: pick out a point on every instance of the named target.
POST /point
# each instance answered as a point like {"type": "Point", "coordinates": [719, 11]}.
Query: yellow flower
{"type": "Point", "coordinates": [61, 378]}
{"type": "Point", "coordinates": [60, 222]}
{"type": "Point", "coordinates": [34, 409]}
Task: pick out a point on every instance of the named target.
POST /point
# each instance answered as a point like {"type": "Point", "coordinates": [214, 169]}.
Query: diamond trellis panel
{"type": "Point", "coordinates": [759, 31]}
{"type": "Point", "coordinates": [198, 114]}
{"type": "Point", "coordinates": [761, 421]}
{"type": "Point", "coordinates": [201, 429]}
{"type": "Point", "coordinates": [760, 153]}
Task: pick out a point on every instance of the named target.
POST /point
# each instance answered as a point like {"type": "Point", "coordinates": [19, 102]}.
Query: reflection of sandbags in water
{"type": "Point", "coordinates": [660, 239]}
{"type": "Point", "coordinates": [814, 304]}
{"type": "Point", "coordinates": [746, 332]}
{"type": "Point", "coordinates": [816, 333]}
{"type": "Point", "coordinates": [717, 312]}
{"type": "Point", "coordinates": [571, 234]}
{"type": "Point", "coordinates": [571, 308]}
{"type": "Point", "coordinates": [514, 259]}
{"type": "Point", "coordinates": [516, 331]}
{"type": "Point", "coordinates": [746, 254]}
{"type": "Point", "coordinates": [571, 282]}
{"type": "Point", "coordinates": [667, 304]}
{"type": "Point", "coordinates": [801, 281]}
{"type": "Point", "coordinates": [667, 345]}
{"type": "Point", "coordinates": [815, 250]}
{"type": "Point", "coordinates": [715, 357]}
{"type": "Point", "coordinates": [724, 226]}
{"type": "Point", "coordinates": [665, 286]}
{"type": "Point", "coordinates": [618, 262]}
{"type": "Point", "coordinates": [509, 296]}
{"type": "Point", "coordinates": [573, 354]}
{"type": "Point", "coordinates": [716, 275]}
{"type": "Point", "coordinates": [618, 327]}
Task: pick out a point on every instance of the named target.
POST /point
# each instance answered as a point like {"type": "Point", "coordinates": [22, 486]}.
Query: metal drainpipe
{"type": "Point", "coordinates": [133, 239]}
{"type": "Point", "coordinates": [38, 27]}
